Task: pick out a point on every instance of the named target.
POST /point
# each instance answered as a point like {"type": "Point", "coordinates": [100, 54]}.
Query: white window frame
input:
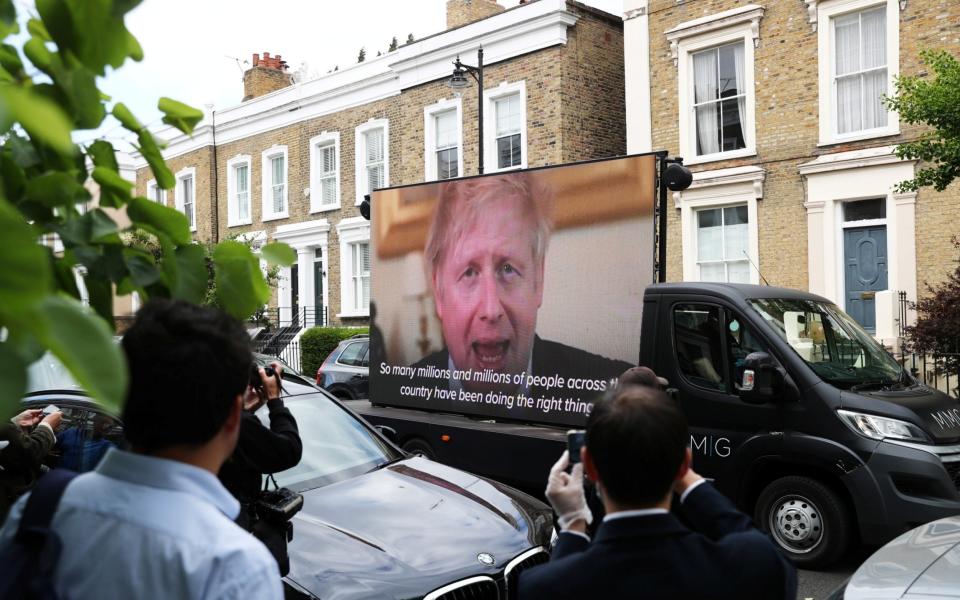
{"type": "Point", "coordinates": [430, 114]}
{"type": "Point", "coordinates": [233, 202]}
{"type": "Point", "coordinates": [152, 189]}
{"type": "Point", "coordinates": [695, 238]}
{"type": "Point", "coordinates": [721, 188]}
{"type": "Point", "coordinates": [266, 186]}
{"type": "Point", "coordinates": [490, 98]}
{"type": "Point", "coordinates": [741, 24]}
{"type": "Point", "coordinates": [351, 231]}
{"type": "Point", "coordinates": [361, 153]}
{"type": "Point", "coordinates": [181, 175]}
{"type": "Point", "coordinates": [326, 138]}
{"type": "Point", "coordinates": [826, 11]}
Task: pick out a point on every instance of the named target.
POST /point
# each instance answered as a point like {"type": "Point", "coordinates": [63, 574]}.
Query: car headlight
{"type": "Point", "coordinates": [879, 428]}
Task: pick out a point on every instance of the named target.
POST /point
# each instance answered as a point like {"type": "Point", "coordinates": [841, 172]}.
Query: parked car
{"type": "Point", "coordinates": [921, 563]}
{"type": "Point", "coordinates": [376, 521]}
{"type": "Point", "coordinates": [346, 371]}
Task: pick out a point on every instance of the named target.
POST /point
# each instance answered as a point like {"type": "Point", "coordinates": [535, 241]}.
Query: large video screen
{"type": "Point", "coordinates": [514, 296]}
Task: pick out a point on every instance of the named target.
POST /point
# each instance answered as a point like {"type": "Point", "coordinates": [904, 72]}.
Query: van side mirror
{"type": "Point", "coordinates": [389, 432]}
{"type": "Point", "coordinates": [762, 379]}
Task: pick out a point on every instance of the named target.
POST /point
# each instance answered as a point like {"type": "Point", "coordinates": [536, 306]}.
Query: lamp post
{"type": "Point", "coordinates": [458, 82]}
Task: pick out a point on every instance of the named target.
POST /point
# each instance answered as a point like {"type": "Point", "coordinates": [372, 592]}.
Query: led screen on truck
{"type": "Point", "coordinates": [513, 296]}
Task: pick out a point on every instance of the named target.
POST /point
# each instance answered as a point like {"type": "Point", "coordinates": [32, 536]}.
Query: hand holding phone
{"type": "Point", "coordinates": [575, 440]}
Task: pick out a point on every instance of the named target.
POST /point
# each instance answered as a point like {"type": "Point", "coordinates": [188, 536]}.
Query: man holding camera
{"type": "Point", "coordinates": [262, 451]}
{"type": "Point", "coordinates": [637, 452]}
{"type": "Point", "coordinates": [155, 522]}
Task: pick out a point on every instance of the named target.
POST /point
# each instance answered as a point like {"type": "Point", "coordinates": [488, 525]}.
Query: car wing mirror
{"type": "Point", "coordinates": [762, 380]}
{"type": "Point", "coordinates": [389, 432]}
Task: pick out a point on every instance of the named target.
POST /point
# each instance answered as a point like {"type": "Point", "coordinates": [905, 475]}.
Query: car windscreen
{"type": "Point", "coordinates": [336, 444]}
{"type": "Point", "coordinates": [834, 345]}
{"type": "Point", "coordinates": [48, 374]}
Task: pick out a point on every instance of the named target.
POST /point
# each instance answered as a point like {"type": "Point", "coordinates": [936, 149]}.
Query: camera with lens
{"type": "Point", "coordinates": [255, 381]}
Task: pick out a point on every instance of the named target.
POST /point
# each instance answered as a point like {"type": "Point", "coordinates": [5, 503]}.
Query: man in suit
{"type": "Point", "coordinates": [637, 453]}
{"type": "Point", "coordinates": [485, 252]}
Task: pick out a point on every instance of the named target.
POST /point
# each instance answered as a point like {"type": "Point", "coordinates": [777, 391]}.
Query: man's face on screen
{"type": "Point", "coordinates": [487, 291]}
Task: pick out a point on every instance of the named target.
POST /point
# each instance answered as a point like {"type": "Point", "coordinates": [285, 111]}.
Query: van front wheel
{"type": "Point", "coordinates": [806, 519]}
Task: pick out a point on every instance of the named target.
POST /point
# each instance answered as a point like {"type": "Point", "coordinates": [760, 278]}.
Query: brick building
{"type": "Point", "coordinates": [776, 108]}
{"type": "Point", "coordinates": [293, 161]}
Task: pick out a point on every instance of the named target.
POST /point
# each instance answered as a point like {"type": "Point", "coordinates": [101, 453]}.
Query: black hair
{"type": "Point", "coordinates": [187, 364]}
{"type": "Point", "coordinates": [637, 437]}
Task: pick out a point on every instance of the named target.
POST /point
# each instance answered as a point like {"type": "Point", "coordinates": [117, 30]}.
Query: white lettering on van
{"type": "Point", "coordinates": [708, 445]}
{"type": "Point", "coordinates": [947, 419]}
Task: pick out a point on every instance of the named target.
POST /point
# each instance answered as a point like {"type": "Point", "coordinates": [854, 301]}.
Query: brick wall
{"type": "Point", "coordinates": [583, 122]}
{"type": "Point", "coordinates": [593, 109]}
{"type": "Point", "coordinates": [464, 12]}
{"type": "Point", "coordinates": [267, 74]}
{"type": "Point", "coordinates": [787, 117]}
{"type": "Point", "coordinates": [200, 160]}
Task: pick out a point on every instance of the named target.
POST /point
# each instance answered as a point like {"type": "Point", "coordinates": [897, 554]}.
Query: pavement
{"type": "Point", "coordinates": [817, 585]}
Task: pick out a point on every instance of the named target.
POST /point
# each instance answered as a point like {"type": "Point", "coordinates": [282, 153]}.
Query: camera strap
{"type": "Point", "coordinates": [266, 483]}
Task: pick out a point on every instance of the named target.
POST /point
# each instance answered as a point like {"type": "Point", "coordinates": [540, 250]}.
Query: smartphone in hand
{"type": "Point", "coordinates": [575, 439]}
{"type": "Point", "coordinates": [50, 408]}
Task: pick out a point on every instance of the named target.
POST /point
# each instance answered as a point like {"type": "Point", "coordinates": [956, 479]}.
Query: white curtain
{"type": "Point", "coordinates": [741, 88]}
{"type": "Point", "coordinates": [705, 90]}
{"type": "Point", "coordinates": [874, 36]}
{"type": "Point", "coordinates": [846, 30]}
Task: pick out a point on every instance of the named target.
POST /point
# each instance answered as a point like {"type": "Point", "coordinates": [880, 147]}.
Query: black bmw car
{"type": "Point", "coordinates": [376, 522]}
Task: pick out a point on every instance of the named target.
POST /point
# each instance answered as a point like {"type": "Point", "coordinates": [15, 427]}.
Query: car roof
{"type": "Point", "coordinates": [736, 291]}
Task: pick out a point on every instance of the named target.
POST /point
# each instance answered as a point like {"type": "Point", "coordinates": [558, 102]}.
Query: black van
{"type": "Point", "coordinates": [802, 417]}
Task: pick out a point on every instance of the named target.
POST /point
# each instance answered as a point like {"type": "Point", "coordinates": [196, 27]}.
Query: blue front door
{"type": "Point", "coordinates": [865, 266]}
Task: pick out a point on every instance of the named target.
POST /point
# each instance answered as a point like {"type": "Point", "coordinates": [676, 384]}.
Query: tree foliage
{"type": "Point", "coordinates": [934, 102]}
{"type": "Point", "coordinates": [48, 90]}
{"type": "Point", "coordinates": [937, 330]}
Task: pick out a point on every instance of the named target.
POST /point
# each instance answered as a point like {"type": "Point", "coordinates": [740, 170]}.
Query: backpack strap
{"type": "Point", "coordinates": [33, 532]}
{"type": "Point", "coordinates": [43, 502]}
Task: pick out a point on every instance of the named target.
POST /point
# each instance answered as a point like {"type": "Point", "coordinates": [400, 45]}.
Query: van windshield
{"type": "Point", "coordinates": [833, 344]}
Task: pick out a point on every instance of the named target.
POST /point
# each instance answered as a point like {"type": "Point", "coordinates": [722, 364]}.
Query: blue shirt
{"type": "Point", "coordinates": [145, 527]}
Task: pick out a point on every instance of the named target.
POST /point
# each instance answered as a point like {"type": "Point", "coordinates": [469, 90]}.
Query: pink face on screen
{"type": "Point", "coordinates": [487, 290]}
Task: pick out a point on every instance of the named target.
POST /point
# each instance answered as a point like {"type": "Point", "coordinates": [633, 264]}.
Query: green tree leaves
{"type": "Point", "coordinates": [45, 193]}
{"type": "Point", "coordinates": [179, 115]}
{"type": "Point", "coordinates": [25, 276]}
{"type": "Point", "coordinates": [935, 103]}
{"type": "Point", "coordinates": [278, 254]}
{"type": "Point", "coordinates": [40, 117]}
{"type": "Point", "coordinates": [240, 285]}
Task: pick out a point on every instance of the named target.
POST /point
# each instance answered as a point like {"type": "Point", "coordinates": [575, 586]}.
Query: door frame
{"type": "Point", "coordinates": [840, 258]}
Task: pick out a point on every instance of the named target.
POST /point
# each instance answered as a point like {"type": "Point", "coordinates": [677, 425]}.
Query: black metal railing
{"type": "Point", "coordinates": [290, 356]}
{"type": "Point", "coordinates": [939, 371]}
{"type": "Point", "coordinates": [904, 316]}
{"type": "Point", "coordinates": [285, 316]}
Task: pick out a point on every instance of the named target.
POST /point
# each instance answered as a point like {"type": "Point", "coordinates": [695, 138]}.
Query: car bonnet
{"type": "Point", "coordinates": [920, 559]}
{"type": "Point", "coordinates": [405, 530]}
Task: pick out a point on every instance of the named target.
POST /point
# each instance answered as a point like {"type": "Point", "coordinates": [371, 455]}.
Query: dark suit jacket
{"type": "Point", "coordinates": [656, 556]}
{"type": "Point", "coordinates": [549, 358]}
{"type": "Point", "coordinates": [20, 461]}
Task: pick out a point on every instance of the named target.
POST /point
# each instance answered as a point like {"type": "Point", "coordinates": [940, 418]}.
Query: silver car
{"type": "Point", "coordinates": [923, 563]}
{"type": "Point", "coordinates": [345, 373]}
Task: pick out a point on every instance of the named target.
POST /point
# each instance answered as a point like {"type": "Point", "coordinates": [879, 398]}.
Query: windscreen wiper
{"type": "Point", "coordinates": [387, 463]}
{"type": "Point", "coordinates": [881, 384]}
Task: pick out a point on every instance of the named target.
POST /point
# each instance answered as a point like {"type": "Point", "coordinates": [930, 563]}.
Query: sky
{"type": "Point", "coordinates": [195, 51]}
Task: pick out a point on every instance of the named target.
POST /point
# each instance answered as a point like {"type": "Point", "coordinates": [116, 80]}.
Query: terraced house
{"type": "Point", "coordinates": [293, 160]}
{"type": "Point", "coordinates": [777, 108]}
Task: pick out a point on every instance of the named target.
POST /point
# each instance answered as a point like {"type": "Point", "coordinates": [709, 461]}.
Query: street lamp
{"type": "Point", "coordinates": [458, 82]}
